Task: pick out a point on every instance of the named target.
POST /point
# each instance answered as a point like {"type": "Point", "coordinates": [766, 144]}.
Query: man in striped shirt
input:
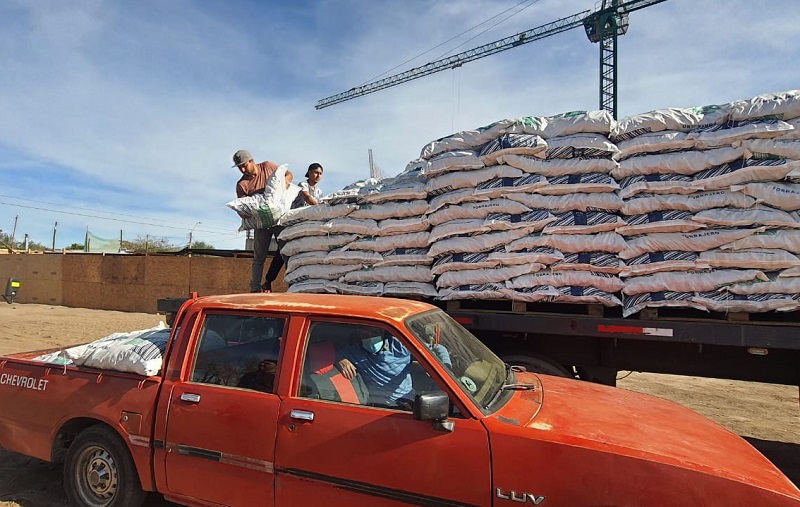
{"type": "Point", "coordinates": [254, 180]}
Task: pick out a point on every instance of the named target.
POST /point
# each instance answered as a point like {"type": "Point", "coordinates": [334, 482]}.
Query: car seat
{"type": "Point", "coordinates": [326, 382]}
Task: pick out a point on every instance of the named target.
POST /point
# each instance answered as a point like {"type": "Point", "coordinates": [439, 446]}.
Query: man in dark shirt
{"type": "Point", "coordinates": [254, 180]}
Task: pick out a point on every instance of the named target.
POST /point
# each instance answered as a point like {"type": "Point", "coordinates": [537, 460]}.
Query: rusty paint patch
{"type": "Point", "coordinates": [506, 420]}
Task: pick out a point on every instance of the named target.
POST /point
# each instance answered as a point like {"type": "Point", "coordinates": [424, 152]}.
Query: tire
{"type": "Point", "coordinates": [99, 471]}
{"type": "Point", "coordinates": [538, 364]}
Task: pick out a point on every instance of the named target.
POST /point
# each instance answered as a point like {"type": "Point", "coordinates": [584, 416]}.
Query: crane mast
{"type": "Point", "coordinates": [603, 25]}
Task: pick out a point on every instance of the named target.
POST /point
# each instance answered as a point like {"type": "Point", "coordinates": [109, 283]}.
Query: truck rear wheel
{"type": "Point", "coordinates": [99, 471]}
{"type": "Point", "coordinates": [538, 364]}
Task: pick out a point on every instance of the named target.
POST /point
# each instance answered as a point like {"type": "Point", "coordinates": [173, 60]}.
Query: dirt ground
{"type": "Point", "coordinates": [768, 416]}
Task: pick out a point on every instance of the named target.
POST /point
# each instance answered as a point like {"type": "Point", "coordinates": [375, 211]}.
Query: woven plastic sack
{"type": "Point", "coordinates": [264, 209]}
{"type": "Point", "coordinates": [138, 352]}
{"type": "Point", "coordinates": [603, 281]}
{"type": "Point", "coordinates": [697, 241]}
{"type": "Point", "coordinates": [384, 243]}
{"type": "Point", "coordinates": [788, 240]}
{"type": "Point", "coordinates": [387, 210]}
{"type": "Point", "coordinates": [667, 299]}
{"type": "Point", "coordinates": [744, 171]}
{"type": "Point", "coordinates": [599, 262]}
{"type": "Point", "coordinates": [507, 144]}
{"type": "Point", "coordinates": [657, 262]}
{"type": "Point", "coordinates": [682, 162]}
{"type": "Point", "coordinates": [688, 281]}
{"type": "Point", "coordinates": [725, 302]}
{"type": "Point", "coordinates": [454, 278]}
{"type": "Point", "coordinates": [319, 213]}
{"type": "Point", "coordinates": [783, 105]}
{"type": "Point", "coordinates": [478, 243]}
{"type": "Point", "coordinates": [469, 179]}
{"type": "Point", "coordinates": [730, 132]}
{"type": "Point", "coordinates": [579, 222]}
{"type": "Point", "coordinates": [559, 167]}
{"type": "Point", "coordinates": [737, 217]}
{"type": "Point", "coordinates": [391, 226]}
{"type": "Point", "coordinates": [785, 196]}
{"type": "Point", "coordinates": [693, 203]}
{"type": "Point", "coordinates": [679, 119]}
{"type": "Point", "coordinates": [571, 243]}
{"type": "Point", "coordinates": [585, 183]}
{"type": "Point", "coordinates": [477, 291]}
{"type": "Point", "coordinates": [775, 285]}
{"type": "Point", "coordinates": [405, 257]}
{"type": "Point", "coordinates": [567, 294]}
{"type": "Point", "coordinates": [654, 142]}
{"type": "Point", "coordinates": [474, 210]}
{"type": "Point", "coordinates": [390, 274]}
{"type": "Point", "coordinates": [765, 259]}
{"type": "Point", "coordinates": [578, 201]}
{"type": "Point", "coordinates": [316, 243]}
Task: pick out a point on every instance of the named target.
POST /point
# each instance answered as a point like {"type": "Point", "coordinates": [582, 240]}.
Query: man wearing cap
{"type": "Point", "coordinates": [254, 180]}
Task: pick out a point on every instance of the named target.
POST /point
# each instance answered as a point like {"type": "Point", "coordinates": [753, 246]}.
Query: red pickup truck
{"type": "Point", "coordinates": [300, 399]}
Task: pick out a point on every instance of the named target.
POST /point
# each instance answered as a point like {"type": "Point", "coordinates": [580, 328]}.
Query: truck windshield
{"type": "Point", "coordinates": [478, 371]}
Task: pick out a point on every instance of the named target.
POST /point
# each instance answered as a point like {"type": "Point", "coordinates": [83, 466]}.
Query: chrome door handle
{"type": "Point", "coordinates": [302, 415]}
{"type": "Point", "coordinates": [191, 398]}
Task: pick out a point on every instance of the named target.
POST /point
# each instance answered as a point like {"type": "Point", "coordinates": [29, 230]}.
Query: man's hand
{"type": "Point", "coordinates": [347, 368]}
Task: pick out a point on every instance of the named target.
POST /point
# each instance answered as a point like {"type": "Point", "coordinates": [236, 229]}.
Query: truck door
{"type": "Point", "coordinates": [339, 444]}
{"type": "Point", "coordinates": [221, 421]}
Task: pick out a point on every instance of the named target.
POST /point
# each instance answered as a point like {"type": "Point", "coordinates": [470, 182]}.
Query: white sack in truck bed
{"type": "Point", "coordinates": [135, 352]}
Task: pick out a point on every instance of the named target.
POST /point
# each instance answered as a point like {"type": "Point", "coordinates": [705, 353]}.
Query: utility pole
{"type": "Point", "coordinates": [191, 233]}
{"type": "Point", "coordinates": [14, 232]}
{"type": "Point", "coordinates": [55, 229]}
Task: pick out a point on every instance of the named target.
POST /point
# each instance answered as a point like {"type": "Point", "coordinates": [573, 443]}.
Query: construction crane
{"type": "Point", "coordinates": [604, 25]}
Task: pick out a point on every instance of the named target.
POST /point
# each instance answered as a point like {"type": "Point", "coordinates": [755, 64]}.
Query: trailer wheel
{"type": "Point", "coordinates": [99, 471]}
{"type": "Point", "coordinates": [538, 364]}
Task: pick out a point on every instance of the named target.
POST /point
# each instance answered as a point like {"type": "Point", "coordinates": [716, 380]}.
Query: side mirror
{"type": "Point", "coordinates": [433, 407]}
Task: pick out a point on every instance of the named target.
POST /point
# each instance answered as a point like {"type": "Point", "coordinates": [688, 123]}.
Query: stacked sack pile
{"type": "Point", "coordinates": [371, 239]}
{"type": "Point", "coordinates": [687, 208]}
{"type": "Point", "coordinates": [710, 208]}
{"type": "Point", "coordinates": [528, 214]}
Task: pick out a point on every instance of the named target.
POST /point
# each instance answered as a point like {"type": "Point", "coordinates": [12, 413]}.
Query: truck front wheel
{"type": "Point", "coordinates": [99, 471]}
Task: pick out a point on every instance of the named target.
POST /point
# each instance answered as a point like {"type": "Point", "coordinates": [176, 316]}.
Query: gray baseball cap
{"type": "Point", "coordinates": [240, 157]}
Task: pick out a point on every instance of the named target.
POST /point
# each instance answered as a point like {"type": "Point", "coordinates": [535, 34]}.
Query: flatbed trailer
{"type": "Point", "coordinates": [594, 343]}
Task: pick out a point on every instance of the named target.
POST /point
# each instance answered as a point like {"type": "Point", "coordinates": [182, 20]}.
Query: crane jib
{"type": "Point", "coordinates": [589, 20]}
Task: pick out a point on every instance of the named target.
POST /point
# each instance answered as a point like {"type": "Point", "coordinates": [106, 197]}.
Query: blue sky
{"type": "Point", "coordinates": [122, 115]}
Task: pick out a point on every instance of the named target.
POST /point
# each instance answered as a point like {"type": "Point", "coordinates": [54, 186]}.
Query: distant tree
{"type": "Point", "coordinates": [147, 244]}
{"type": "Point", "coordinates": [19, 243]}
{"type": "Point", "coordinates": [201, 245]}
{"type": "Point", "coordinates": [76, 246]}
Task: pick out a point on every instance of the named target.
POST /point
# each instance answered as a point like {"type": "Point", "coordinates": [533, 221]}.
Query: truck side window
{"type": "Point", "coordinates": [363, 364]}
{"type": "Point", "coordinates": [238, 351]}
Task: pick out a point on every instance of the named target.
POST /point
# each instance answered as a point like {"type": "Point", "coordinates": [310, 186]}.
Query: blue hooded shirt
{"type": "Point", "coordinates": [386, 373]}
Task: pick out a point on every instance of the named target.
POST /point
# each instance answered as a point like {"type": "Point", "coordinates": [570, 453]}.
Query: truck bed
{"type": "Point", "coordinates": [31, 390]}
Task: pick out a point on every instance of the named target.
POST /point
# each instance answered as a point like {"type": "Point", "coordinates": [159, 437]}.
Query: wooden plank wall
{"type": "Point", "coordinates": [129, 283]}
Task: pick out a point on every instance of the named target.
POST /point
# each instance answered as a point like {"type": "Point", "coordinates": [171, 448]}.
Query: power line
{"type": "Point", "coordinates": [137, 220]}
{"type": "Point", "coordinates": [456, 37]}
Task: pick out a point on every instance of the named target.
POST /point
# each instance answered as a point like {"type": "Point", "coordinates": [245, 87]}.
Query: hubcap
{"type": "Point", "coordinates": [97, 476]}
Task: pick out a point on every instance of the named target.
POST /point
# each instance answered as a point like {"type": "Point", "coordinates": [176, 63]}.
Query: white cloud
{"type": "Point", "coordinates": [137, 108]}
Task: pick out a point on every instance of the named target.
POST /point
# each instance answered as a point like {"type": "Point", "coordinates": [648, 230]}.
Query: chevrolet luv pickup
{"type": "Point", "coordinates": [300, 399]}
